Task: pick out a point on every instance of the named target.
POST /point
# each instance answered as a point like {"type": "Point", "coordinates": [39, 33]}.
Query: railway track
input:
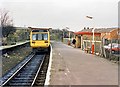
{"type": "Point", "coordinates": [31, 73]}
{"type": "Point", "coordinates": [40, 80]}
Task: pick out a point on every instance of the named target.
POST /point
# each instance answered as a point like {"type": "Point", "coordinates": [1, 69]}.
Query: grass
{"type": "Point", "coordinates": [12, 58]}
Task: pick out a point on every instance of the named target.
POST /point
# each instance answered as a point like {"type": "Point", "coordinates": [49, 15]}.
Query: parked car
{"type": "Point", "coordinates": [115, 48]}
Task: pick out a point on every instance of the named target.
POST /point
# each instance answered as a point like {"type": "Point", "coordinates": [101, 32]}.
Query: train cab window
{"type": "Point", "coordinates": [40, 37]}
{"type": "Point", "coordinates": [45, 36]}
{"type": "Point", "coordinates": [34, 37]}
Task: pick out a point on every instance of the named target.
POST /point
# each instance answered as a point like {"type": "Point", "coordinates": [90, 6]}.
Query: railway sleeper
{"type": "Point", "coordinates": [19, 84]}
{"type": "Point", "coordinates": [24, 75]}
{"type": "Point", "coordinates": [21, 80]}
{"type": "Point", "coordinates": [39, 84]}
{"type": "Point", "coordinates": [43, 73]}
{"type": "Point", "coordinates": [29, 74]}
{"type": "Point", "coordinates": [41, 78]}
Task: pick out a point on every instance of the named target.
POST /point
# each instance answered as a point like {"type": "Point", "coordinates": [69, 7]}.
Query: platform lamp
{"type": "Point", "coordinates": [69, 31]}
{"type": "Point", "coordinates": [69, 35]}
{"type": "Point", "coordinates": [93, 44]}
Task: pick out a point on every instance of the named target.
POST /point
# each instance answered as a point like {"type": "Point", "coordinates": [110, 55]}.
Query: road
{"type": "Point", "coordinates": [72, 66]}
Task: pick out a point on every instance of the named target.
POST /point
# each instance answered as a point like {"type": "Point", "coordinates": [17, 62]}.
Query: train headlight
{"type": "Point", "coordinates": [46, 41]}
{"type": "Point", "coordinates": [33, 42]}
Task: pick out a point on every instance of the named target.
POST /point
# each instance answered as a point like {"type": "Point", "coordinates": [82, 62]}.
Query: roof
{"type": "Point", "coordinates": [97, 31]}
{"type": "Point", "coordinates": [39, 28]}
{"type": "Point", "coordinates": [20, 28]}
{"type": "Point", "coordinates": [87, 33]}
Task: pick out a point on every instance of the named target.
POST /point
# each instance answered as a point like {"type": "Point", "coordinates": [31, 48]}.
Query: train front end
{"type": "Point", "coordinates": [40, 38]}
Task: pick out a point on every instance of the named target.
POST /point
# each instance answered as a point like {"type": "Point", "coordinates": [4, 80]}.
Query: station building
{"type": "Point", "coordinates": [102, 36]}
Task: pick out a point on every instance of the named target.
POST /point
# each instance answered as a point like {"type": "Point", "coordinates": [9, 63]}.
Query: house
{"type": "Point", "coordinates": [110, 34]}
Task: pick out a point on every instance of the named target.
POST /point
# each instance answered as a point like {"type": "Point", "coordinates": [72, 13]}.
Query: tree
{"type": "Point", "coordinates": [7, 30]}
{"type": "Point", "coordinates": [6, 23]}
{"type": "Point", "coordinates": [5, 18]}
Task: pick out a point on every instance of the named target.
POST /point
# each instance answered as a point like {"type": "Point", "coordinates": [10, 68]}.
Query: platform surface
{"type": "Point", "coordinates": [72, 66]}
{"type": "Point", "coordinates": [9, 46]}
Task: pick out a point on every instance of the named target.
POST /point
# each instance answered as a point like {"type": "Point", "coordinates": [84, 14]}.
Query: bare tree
{"type": "Point", "coordinates": [5, 18]}
{"type": "Point", "coordinates": [6, 23]}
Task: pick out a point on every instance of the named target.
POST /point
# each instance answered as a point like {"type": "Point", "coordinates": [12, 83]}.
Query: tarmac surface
{"type": "Point", "coordinates": [72, 66]}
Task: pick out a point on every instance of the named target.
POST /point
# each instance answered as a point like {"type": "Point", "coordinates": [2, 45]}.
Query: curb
{"type": "Point", "coordinates": [47, 81]}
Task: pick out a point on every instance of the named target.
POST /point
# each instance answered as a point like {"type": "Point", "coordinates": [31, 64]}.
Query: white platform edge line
{"type": "Point", "coordinates": [47, 81]}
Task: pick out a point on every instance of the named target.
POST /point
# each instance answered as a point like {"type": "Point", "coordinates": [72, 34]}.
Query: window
{"type": "Point", "coordinates": [40, 37]}
{"type": "Point", "coordinates": [34, 37]}
{"type": "Point", "coordinates": [118, 33]}
{"type": "Point", "coordinates": [45, 36]}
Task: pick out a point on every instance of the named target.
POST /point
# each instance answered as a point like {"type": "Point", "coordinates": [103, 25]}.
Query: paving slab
{"type": "Point", "coordinates": [72, 66]}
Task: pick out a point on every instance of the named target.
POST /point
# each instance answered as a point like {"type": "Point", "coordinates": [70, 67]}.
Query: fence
{"type": "Point", "coordinates": [100, 50]}
{"type": "Point", "coordinates": [109, 51]}
{"type": "Point", "coordinates": [87, 44]}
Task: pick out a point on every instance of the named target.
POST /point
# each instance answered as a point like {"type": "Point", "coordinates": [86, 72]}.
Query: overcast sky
{"type": "Point", "coordinates": [63, 13]}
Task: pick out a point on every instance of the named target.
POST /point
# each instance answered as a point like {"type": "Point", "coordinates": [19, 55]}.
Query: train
{"type": "Point", "coordinates": [40, 39]}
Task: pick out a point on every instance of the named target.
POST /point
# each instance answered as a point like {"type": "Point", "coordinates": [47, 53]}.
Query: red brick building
{"type": "Point", "coordinates": [84, 38]}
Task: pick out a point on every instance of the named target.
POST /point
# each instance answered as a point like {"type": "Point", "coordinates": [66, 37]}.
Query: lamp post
{"type": "Point", "coordinates": [93, 41]}
{"type": "Point", "coordinates": [69, 35]}
{"type": "Point", "coordinates": [69, 32]}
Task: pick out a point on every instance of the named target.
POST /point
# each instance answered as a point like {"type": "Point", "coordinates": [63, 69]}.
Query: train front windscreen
{"type": "Point", "coordinates": [40, 36]}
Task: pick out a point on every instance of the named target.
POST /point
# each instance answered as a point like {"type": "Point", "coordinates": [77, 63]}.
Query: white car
{"type": "Point", "coordinates": [115, 47]}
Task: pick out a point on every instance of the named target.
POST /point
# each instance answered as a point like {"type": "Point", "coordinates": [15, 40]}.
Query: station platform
{"type": "Point", "coordinates": [72, 66]}
{"type": "Point", "coordinates": [9, 46]}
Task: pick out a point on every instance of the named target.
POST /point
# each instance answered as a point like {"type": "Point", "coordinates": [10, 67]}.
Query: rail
{"type": "Point", "coordinates": [26, 72]}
